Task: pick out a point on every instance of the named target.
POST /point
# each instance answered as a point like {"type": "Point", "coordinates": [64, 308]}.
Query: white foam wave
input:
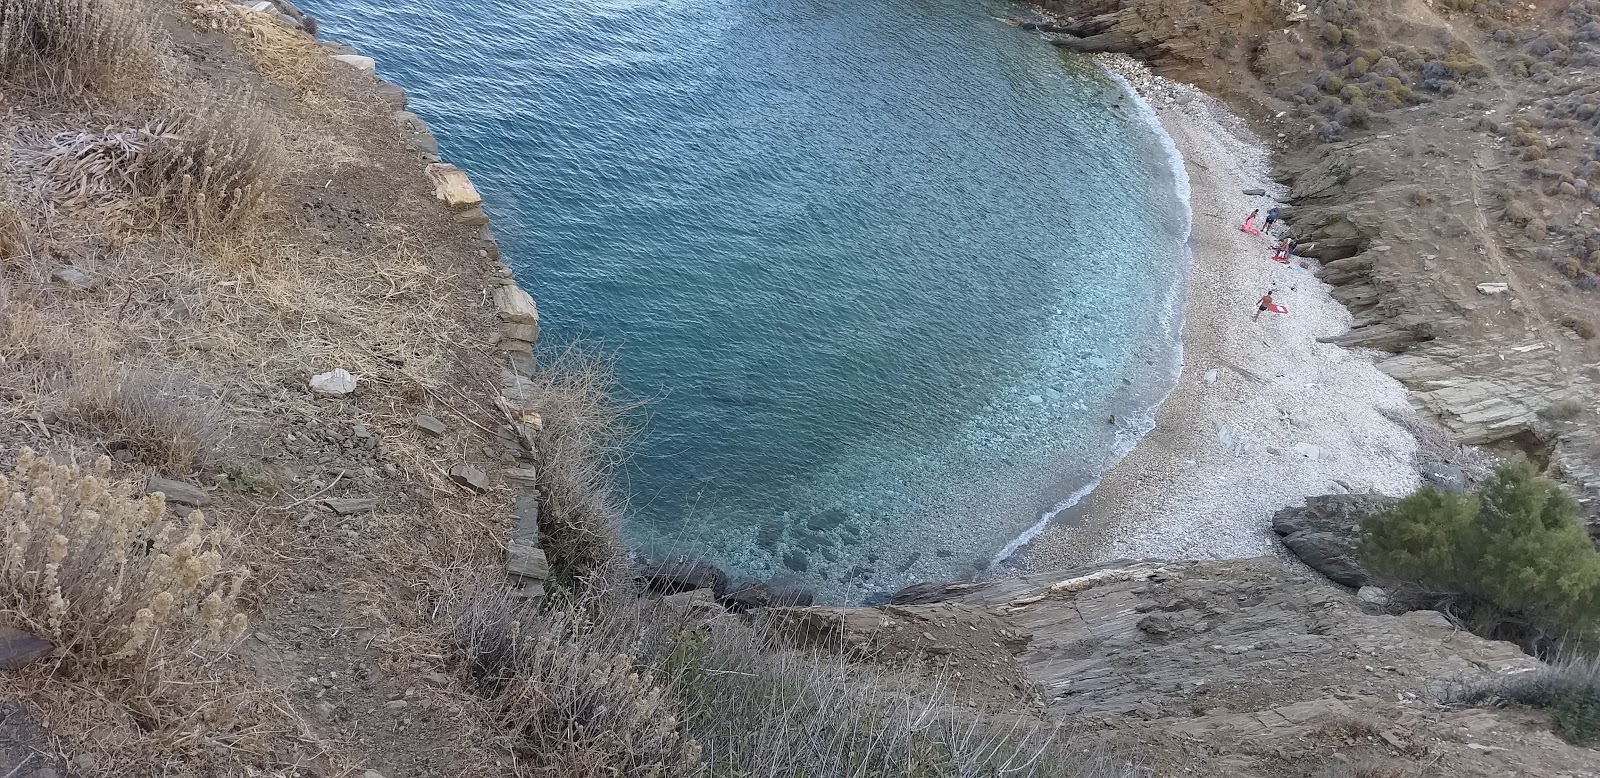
{"type": "Point", "coordinates": [1134, 428]}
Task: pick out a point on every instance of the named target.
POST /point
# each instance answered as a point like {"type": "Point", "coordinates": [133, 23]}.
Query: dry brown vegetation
{"type": "Point", "coordinates": [66, 45]}
{"type": "Point", "coordinates": [609, 686]}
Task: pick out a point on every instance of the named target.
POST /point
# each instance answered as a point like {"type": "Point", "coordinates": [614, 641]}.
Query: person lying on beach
{"type": "Point", "coordinates": [1263, 305]}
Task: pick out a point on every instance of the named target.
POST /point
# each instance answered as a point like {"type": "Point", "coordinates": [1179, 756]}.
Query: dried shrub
{"type": "Point", "coordinates": [565, 690]}
{"type": "Point", "coordinates": [73, 44]}
{"type": "Point", "coordinates": [1569, 690]}
{"type": "Point", "coordinates": [142, 610]}
{"type": "Point", "coordinates": [579, 437]}
{"type": "Point", "coordinates": [567, 684]}
{"type": "Point", "coordinates": [205, 168]}
{"type": "Point", "coordinates": [1583, 327]}
{"type": "Point", "coordinates": [107, 577]}
{"type": "Point", "coordinates": [164, 423]}
{"type": "Point", "coordinates": [16, 237]}
{"type": "Point", "coordinates": [211, 167]}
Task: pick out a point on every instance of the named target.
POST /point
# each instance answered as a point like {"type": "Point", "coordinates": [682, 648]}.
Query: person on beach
{"type": "Point", "coordinates": [1264, 304]}
{"type": "Point", "coordinates": [1284, 251]}
{"type": "Point", "coordinates": [1250, 223]}
{"type": "Point", "coordinates": [1272, 216]}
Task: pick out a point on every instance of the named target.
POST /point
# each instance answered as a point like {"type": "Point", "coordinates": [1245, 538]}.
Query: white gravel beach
{"type": "Point", "coordinates": [1263, 414]}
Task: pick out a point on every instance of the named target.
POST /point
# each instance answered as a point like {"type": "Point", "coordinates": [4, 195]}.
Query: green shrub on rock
{"type": "Point", "coordinates": [1514, 549]}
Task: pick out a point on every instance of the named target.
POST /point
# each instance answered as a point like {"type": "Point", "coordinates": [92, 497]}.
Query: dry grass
{"type": "Point", "coordinates": [68, 45]}
{"type": "Point", "coordinates": [1569, 690]}
{"type": "Point", "coordinates": [621, 687]}
{"type": "Point", "coordinates": [165, 424]}
{"type": "Point", "coordinates": [579, 435]}
{"type": "Point", "coordinates": [282, 55]}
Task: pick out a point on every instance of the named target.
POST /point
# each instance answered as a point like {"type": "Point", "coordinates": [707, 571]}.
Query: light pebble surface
{"type": "Point", "coordinates": [1226, 454]}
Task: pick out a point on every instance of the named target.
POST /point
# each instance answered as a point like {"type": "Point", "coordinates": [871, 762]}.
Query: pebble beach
{"type": "Point", "coordinates": [1263, 415]}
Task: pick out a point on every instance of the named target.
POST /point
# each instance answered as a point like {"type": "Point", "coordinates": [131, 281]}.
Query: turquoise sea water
{"type": "Point", "coordinates": [881, 270]}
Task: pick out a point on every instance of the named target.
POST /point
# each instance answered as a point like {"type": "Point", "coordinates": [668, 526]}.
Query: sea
{"type": "Point", "coordinates": [888, 283]}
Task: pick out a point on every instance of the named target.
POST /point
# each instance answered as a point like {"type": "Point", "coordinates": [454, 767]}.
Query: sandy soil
{"type": "Point", "coordinates": [1263, 414]}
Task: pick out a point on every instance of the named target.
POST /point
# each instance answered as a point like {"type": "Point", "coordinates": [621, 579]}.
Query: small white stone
{"type": "Point", "coordinates": [358, 62]}
{"type": "Point", "coordinates": [336, 382]}
{"type": "Point", "coordinates": [1211, 376]}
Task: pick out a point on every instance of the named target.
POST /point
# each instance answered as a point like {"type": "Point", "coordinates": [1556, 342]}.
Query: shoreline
{"type": "Point", "coordinates": [1277, 402]}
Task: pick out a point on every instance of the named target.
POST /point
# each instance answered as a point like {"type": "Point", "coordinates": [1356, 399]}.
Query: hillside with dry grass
{"type": "Point", "coordinates": [273, 435]}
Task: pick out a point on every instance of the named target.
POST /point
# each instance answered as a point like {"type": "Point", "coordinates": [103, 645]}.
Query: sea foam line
{"type": "Point", "coordinates": [1172, 317]}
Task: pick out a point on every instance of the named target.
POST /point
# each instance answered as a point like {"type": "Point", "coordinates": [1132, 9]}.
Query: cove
{"type": "Point", "coordinates": [881, 272]}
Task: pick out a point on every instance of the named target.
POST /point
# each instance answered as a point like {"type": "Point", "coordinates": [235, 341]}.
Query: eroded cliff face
{"type": "Point", "coordinates": [1441, 164]}
{"type": "Point", "coordinates": [1215, 668]}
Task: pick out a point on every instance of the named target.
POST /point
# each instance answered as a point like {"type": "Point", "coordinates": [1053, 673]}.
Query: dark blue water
{"type": "Point", "coordinates": [881, 269]}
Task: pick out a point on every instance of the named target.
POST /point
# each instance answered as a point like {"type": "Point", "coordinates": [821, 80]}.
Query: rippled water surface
{"type": "Point", "coordinates": [882, 270]}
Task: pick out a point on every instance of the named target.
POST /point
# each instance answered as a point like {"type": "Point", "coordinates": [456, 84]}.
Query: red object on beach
{"type": "Point", "coordinates": [1280, 259]}
{"type": "Point", "coordinates": [1276, 308]}
{"type": "Point", "coordinates": [1250, 225]}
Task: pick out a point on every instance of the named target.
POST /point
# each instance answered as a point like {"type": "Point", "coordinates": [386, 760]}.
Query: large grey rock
{"type": "Point", "coordinates": [683, 574]}
{"type": "Point", "coordinates": [178, 491]}
{"type": "Point", "coordinates": [525, 511]}
{"type": "Point", "coordinates": [1334, 556]}
{"type": "Point", "coordinates": [758, 594]}
{"type": "Point", "coordinates": [470, 476]}
{"type": "Point", "coordinates": [516, 306]}
{"type": "Point", "coordinates": [525, 558]}
{"type": "Point", "coordinates": [1325, 531]}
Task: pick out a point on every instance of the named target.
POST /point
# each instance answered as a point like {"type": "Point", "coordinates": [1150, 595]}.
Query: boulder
{"type": "Point", "coordinates": [1443, 475]}
{"type": "Point", "coordinates": [683, 574]}
{"type": "Point", "coordinates": [1492, 288]}
{"type": "Point", "coordinates": [525, 558]}
{"type": "Point", "coordinates": [473, 217]}
{"type": "Point", "coordinates": [1255, 192]}
{"type": "Point", "coordinates": [1372, 595]}
{"type": "Point", "coordinates": [1324, 533]}
{"type": "Point", "coordinates": [452, 186]}
{"type": "Point", "coordinates": [516, 306]}
{"type": "Point", "coordinates": [335, 383]}
{"type": "Point", "coordinates": [470, 477]}
{"type": "Point", "coordinates": [18, 649]}
{"type": "Point", "coordinates": [696, 605]}
{"type": "Point", "coordinates": [1332, 555]}
{"type": "Point", "coordinates": [178, 491]}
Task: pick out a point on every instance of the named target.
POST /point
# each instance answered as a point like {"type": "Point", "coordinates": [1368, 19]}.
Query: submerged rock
{"type": "Point", "coordinates": [683, 574]}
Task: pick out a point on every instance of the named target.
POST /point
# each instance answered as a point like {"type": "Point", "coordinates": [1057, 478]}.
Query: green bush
{"type": "Point", "coordinates": [1515, 549]}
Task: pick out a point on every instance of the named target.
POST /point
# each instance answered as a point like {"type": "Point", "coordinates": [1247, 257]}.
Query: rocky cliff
{"type": "Point", "coordinates": [1216, 668]}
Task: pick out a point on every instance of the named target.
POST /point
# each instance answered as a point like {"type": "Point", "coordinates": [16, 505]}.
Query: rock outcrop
{"type": "Point", "coordinates": [1221, 668]}
{"type": "Point", "coordinates": [1324, 532]}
